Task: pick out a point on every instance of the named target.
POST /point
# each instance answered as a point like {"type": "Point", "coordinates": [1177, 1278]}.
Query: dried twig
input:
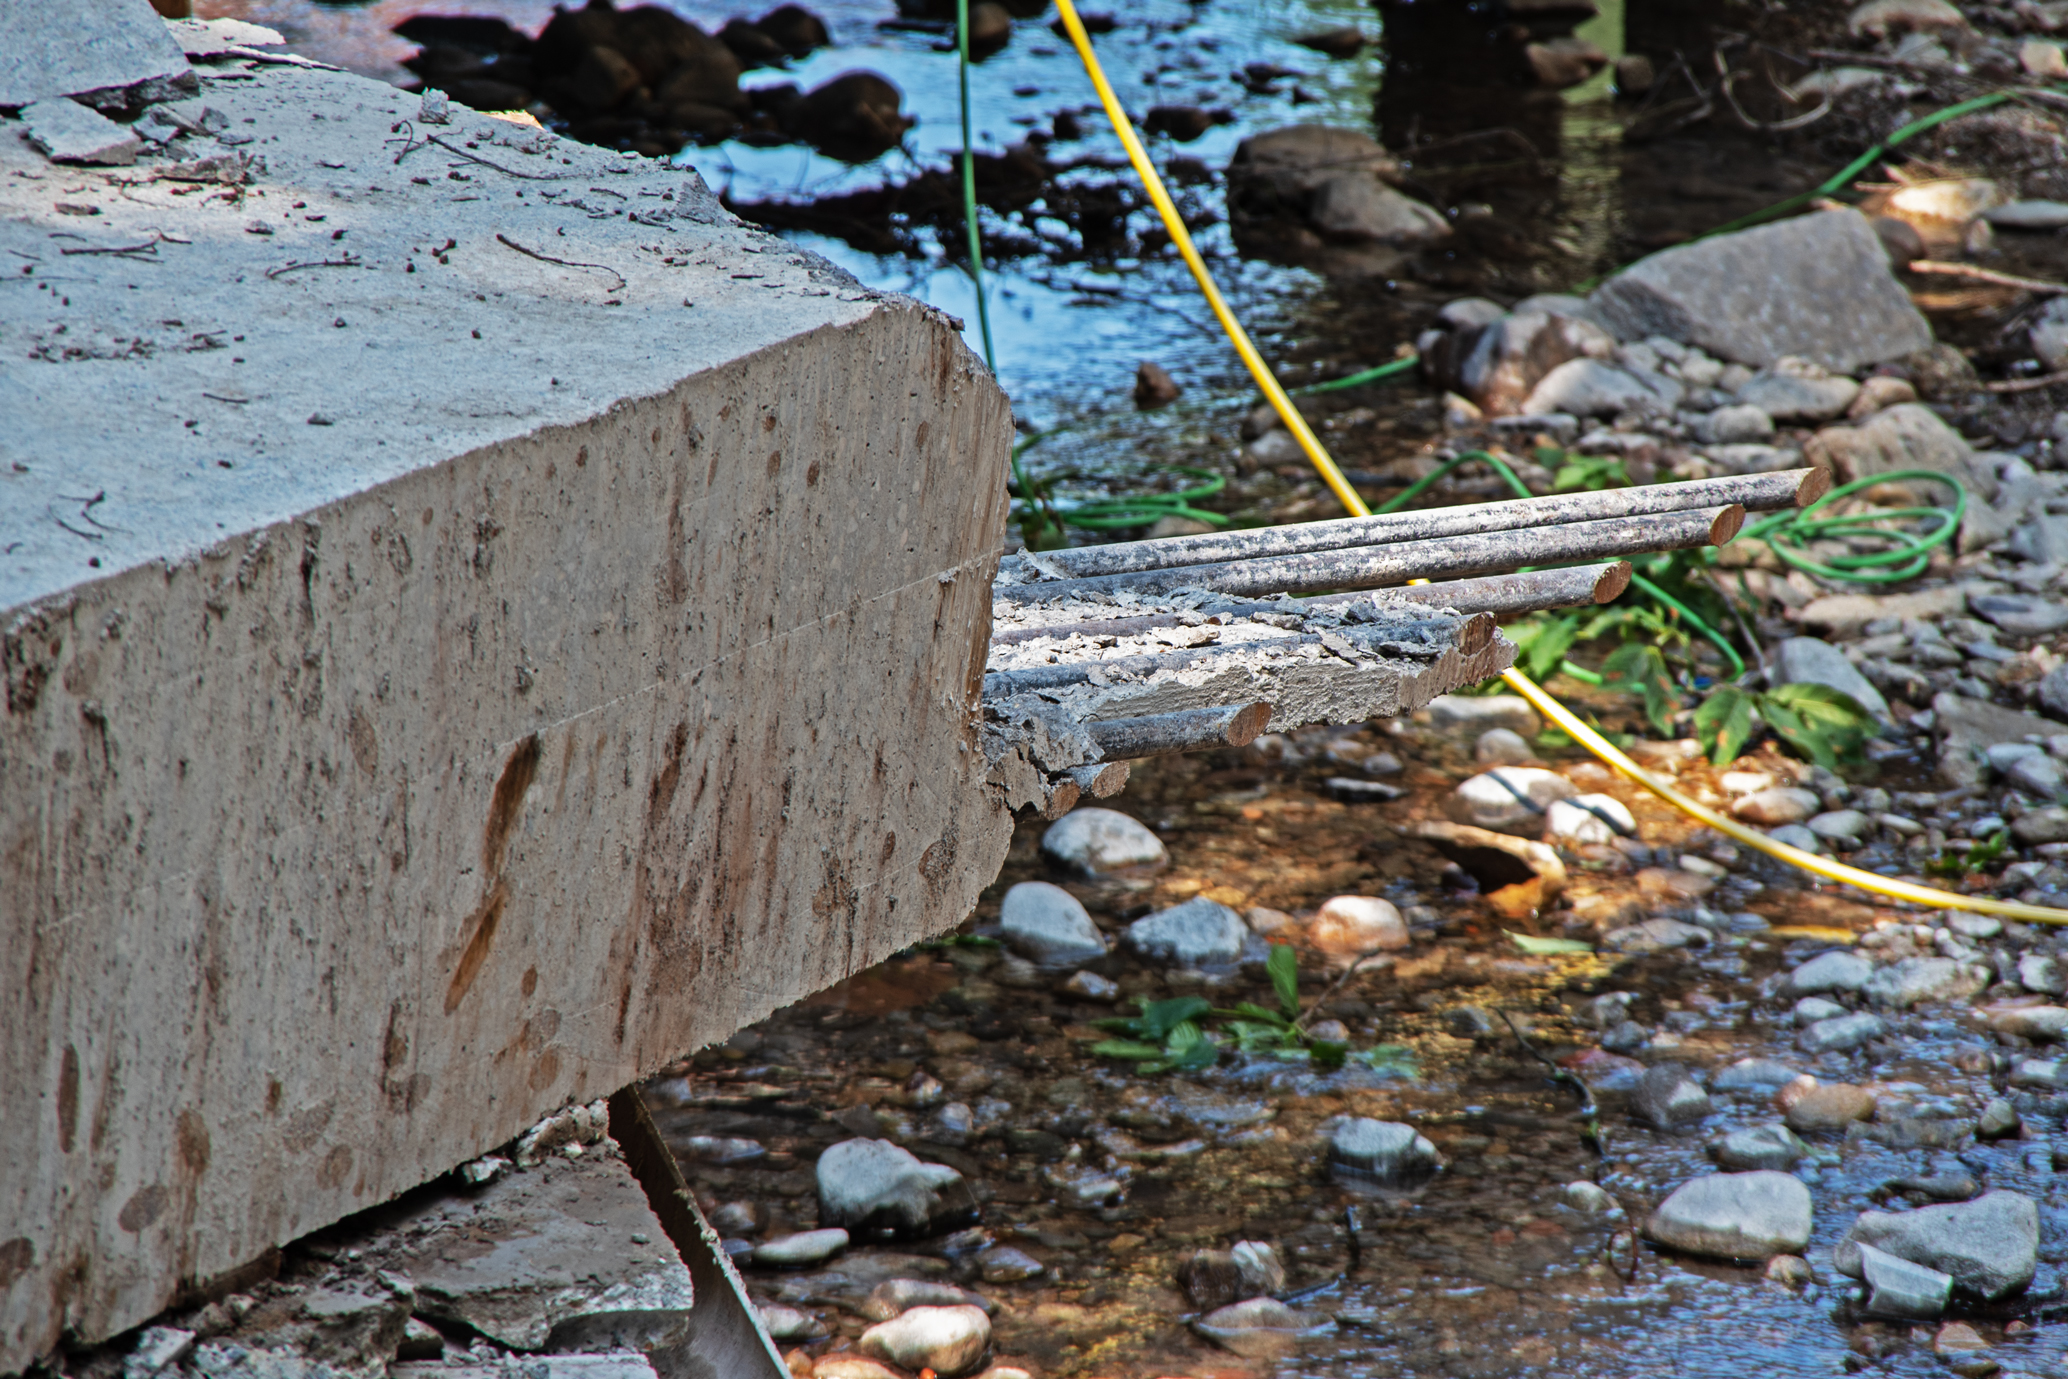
{"type": "Point", "coordinates": [2027, 385]}
{"type": "Point", "coordinates": [564, 263]}
{"type": "Point", "coordinates": [149, 248]}
{"type": "Point", "coordinates": [1988, 275]}
{"type": "Point", "coordinates": [1728, 77]}
{"type": "Point", "coordinates": [488, 163]}
{"type": "Point", "coordinates": [348, 261]}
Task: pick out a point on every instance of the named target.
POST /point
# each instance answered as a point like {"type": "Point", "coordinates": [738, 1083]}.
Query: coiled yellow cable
{"type": "Point", "coordinates": [1567, 721]}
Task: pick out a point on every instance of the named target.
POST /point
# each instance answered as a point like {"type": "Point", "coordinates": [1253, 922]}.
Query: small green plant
{"type": "Point", "coordinates": [1981, 857]}
{"type": "Point", "coordinates": [1639, 668]}
{"type": "Point", "coordinates": [1825, 725]}
{"type": "Point", "coordinates": [1167, 1035]}
{"type": "Point", "coordinates": [1585, 473]}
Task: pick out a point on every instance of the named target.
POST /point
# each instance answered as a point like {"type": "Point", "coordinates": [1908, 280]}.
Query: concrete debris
{"type": "Point", "coordinates": [68, 132]}
{"type": "Point", "coordinates": [103, 50]}
{"type": "Point", "coordinates": [201, 39]}
{"type": "Point", "coordinates": [622, 1364]}
{"type": "Point", "coordinates": [575, 1126]}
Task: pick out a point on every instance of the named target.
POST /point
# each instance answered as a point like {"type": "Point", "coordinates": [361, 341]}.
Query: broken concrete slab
{"type": "Point", "coordinates": [68, 132]}
{"type": "Point", "coordinates": [96, 48]}
{"type": "Point", "coordinates": [1761, 294]}
{"type": "Point", "coordinates": [616, 1365]}
{"type": "Point", "coordinates": [208, 38]}
{"type": "Point", "coordinates": [371, 788]}
{"type": "Point", "coordinates": [565, 1257]}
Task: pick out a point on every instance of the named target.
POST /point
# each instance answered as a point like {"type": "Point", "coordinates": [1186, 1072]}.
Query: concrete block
{"type": "Point", "coordinates": [71, 47]}
{"type": "Point", "coordinates": [446, 676]}
{"type": "Point", "coordinates": [65, 131]}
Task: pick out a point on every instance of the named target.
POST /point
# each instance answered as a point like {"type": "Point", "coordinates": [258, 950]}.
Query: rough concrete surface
{"type": "Point", "coordinates": [68, 47]}
{"type": "Point", "coordinates": [441, 684]}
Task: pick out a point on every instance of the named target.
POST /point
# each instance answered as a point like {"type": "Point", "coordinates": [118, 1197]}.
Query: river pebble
{"type": "Point", "coordinates": [1668, 1096]}
{"type": "Point", "coordinates": [1835, 971]}
{"type": "Point", "coordinates": [1780, 804]}
{"type": "Point", "coordinates": [895, 1296]}
{"type": "Point", "coordinates": [1380, 1151]}
{"type": "Point", "coordinates": [1829, 1108]}
{"type": "Point", "coordinates": [1760, 1147]}
{"type": "Point", "coordinates": [1049, 925]}
{"type": "Point", "coordinates": [867, 1184]}
{"type": "Point", "coordinates": [1198, 933]}
{"type": "Point", "coordinates": [1735, 1216]}
{"type": "Point", "coordinates": [1258, 1328]}
{"type": "Point", "coordinates": [947, 1340]}
{"type": "Point", "coordinates": [1590, 818]}
{"type": "Point", "coordinates": [1839, 1033]}
{"type": "Point", "coordinates": [1102, 840]}
{"type": "Point", "coordinates": [1910, 981]}
{"type": "Point", "coordinates": [1348, 926]}
{"type": "Point", "coordinates": [801, 1247]}
{"type": "Point", "coordinates": [1509, 799]}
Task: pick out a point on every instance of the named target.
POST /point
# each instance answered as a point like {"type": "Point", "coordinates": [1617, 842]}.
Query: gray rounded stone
{"type": "Point", "coordinates": [876, 1185]}
{"type": "Point", "coordinates": [1771, 1148]}
{"type": "Point", "coordinates": [1385, 1152]}
{"type": "Point", "coordinates": [1102, 840]}
{"type": "Point", "coordinates": [801, 1247]}
{"type": "Point", "coordinates": [1990, 1245]}
{"type": "Point", "coordinates": [1509, 799]}
{"type": "Point", "coordinates": [946, 1340]}
{"type": "Point", "coordinates": [1198, 933]}
{"type": "Point", "coordinates": [1735, 1216]}
{"type": "Point", "coordinates": [1049, 925]}
{"type": "Point", "coordinates": [1837, 970]}
{"type": "Point", "coordinates": [1667, 1096]}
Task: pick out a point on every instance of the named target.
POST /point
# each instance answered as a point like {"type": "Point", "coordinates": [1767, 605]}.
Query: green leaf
{"type": "Point", "coordinates": [1723, 723]}
{"type": "Point", "coordinates": [1590, 472]}
{"type": "Point", "coordinates": [1642, 670]}
{"type": "Point", "coordinates": [1530, 943]}
{"type": "Point", "coordinates": [1541, 642]}
{"type": "Point", "coordinates": [1126, 1048]}
{"type": "Point", "coordinates": [1189, 1049]}
{"type": "Point", "coordinates": [1822, 723]}
{"type": "Point", "coordinates": [1251, 1011]}
{"type": "Point", "coordinates": [1284, 967]}
{"type": "Point", "coordinates": [1158, 1018]}
{"type": "Point", "coordinates": [1328, 1055]}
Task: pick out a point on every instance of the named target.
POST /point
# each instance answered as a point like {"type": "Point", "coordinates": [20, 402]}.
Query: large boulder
{"type": "Point", "coordinates": [1761, 294]}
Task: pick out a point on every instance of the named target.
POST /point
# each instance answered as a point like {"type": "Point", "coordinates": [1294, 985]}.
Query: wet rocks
{"type": "Point", "coordinates": [854, 117]}
{"type": "Point", "coordinates": [2030, 1022]}
{"type": "Point", "coordinates": [1499, 363]}
{"type": "Point", "coordinates": [1779, 804]}
{"type": "Point", "coordinates": [1589, 1199]}
{"type": "Point", "coordinates": [1046, 923]}
{"type": "Point", "coordinates": [1198, 933]}
{"type": "Point", "coordinates": [1502, 747]}
{"type": "Point", "coordinates": [873, 1185]}
{"type": "Point", "coordinates": [1655, 936]}
{"type": "Point", "coordinates": [1964, 729]}
{"type": "Point", "coordinates": [1840, 1033]}
{"type": "Point", "coordinates": [1216, 1278]}
{"type": "Point", "coordinates": [1813, 661]}
{"type": "Point", "coordinates": [1829, 1109]}
{"type": "Point", "coordinates": [947, 1340]}
{"type": "Point", "coordinates": [1735, 1216]}
{"type": "Point", "coordinates": [1842, 828]}
{"type": "Point", "coordinates": [1259, 1328]}
{"type": "Point", "coordinates": [1098, 841]}
{"type": "Point", "coordinates": [1737, 424]}
{"type": "Point", "coordinates": [1348, 926]}
{"type": "Point", "coordinates": [1365, 210]}
{"type": "Point", "coordinates": [1380, 1152]}
{"type": "Point", "coordinates": [1899, 1288]}
{"type": "Point", "coordinates": [1509, 799]}
{"type": "Point", "coordinates": [1909, 981]}
{"type": "Point", "coordinates": [1768, 1148]}
{"type": "Point", "coordinates": [1154, 387]}
{"type": "Point", "coordinates": [1761, 294]}
{"type": "Point", "coordinates": [1667, 1097]}
{"type": "Point", "coordinates": [1332, 181]}
{"type": "Point", "coordinates": [1004, 1264]}
{"type": "Point", "coordinates": [1990, 1246]}
{"type": "Point", "coordinates": [2047, 825]}
{"type": "Point", "coordinates": [801, 1248]}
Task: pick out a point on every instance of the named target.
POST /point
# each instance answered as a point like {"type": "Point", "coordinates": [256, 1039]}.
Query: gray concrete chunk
{"type": "Point", "coordinates": [551, 1255]}
{"type": "Point", "coordinates": [68, 132]}
{"type": "Point", "coordinates": [1764, 293]}
{"type": "Point", "coordinates": [64, 47]}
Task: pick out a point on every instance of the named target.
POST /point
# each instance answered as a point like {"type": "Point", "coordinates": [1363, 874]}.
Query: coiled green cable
{"type": "Point", "coordinates": [1906, 554]}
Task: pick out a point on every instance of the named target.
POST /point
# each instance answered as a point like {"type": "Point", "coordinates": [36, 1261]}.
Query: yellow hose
{"type": "Point", "coordinates": [1567, 721]}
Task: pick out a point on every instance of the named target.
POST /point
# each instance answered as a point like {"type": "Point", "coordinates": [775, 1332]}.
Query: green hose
{"type": "Point", "coordinates": [1906, 555]}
